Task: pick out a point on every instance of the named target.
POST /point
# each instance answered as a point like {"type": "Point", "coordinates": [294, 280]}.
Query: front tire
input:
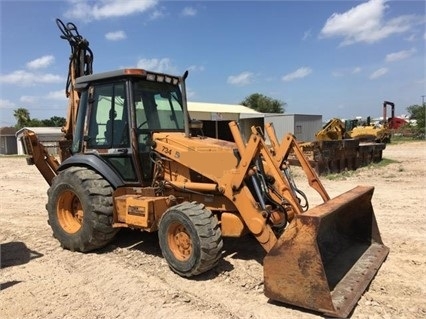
{"type": "Point", "coordinates": [80, 209]}
{"type": "Point", "coordinates": [190, 239]}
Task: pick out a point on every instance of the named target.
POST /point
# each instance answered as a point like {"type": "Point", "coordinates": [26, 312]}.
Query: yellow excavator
{"type": "Point", "coordinates": [133, 158]}
{"type": "Point", "coordinates": [332, 130]}
{"type": "Point", "coordinates": [336, 129]}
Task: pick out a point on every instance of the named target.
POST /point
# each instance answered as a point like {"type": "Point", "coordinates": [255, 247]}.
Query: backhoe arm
{"type": "Point", "coordinates": [38, 155]}
{"type": "Point", "coordinates": [81, 60]}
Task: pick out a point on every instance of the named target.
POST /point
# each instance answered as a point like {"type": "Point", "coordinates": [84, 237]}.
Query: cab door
{"type": "Point", "coordinates": [108, 128]}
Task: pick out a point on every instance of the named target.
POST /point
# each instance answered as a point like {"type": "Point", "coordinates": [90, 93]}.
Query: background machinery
{"type": "Point", "coordinates": [348, 145]}
{"type": "Point", "coordinates": [379, 133]}
{"type": "Point", "coordinates": [131, 157]}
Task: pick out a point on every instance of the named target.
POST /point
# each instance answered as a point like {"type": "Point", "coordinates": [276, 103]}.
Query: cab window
{"type": "Point", "coordinates": [108, 126]}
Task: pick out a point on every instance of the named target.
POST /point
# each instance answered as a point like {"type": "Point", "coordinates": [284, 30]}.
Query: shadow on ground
{"type": "Point", "coordinates": [12, 254]}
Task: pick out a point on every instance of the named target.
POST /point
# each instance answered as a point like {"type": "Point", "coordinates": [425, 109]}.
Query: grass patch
{"type": "Point", "coordinates": [340, 176]}
{"type": "Point", "coordinates": [384, 162]}
{"type": "Point", "coordinates": [347, 174]}
{"type": "Point", "coordinates": [404, 139]}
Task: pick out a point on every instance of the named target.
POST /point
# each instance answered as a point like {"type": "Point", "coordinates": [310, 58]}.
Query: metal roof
{"type": "Point", "coordinates": [7, 131]}
{"type": "Point", "coordinates": [41, 130]}
{"type": "Point", "coordinates": [220, 108]}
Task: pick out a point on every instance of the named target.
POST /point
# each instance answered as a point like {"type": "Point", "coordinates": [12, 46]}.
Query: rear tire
{"type": "Point", "coordinates": [190, 239]}
{"type": "Point", "coordinates": [80, 209]}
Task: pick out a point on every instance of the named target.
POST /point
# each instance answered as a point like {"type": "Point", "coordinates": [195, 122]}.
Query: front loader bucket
{"type": "Point", "coordinates": [327, 256]}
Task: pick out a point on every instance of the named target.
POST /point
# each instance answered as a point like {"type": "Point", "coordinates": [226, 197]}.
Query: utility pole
{"type": "Point", "coordinates": [423, 100]}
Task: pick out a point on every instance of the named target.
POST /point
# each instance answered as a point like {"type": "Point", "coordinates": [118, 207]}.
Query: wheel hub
{"type": "Point", "coordinates": [70, 212]}
{"type": "Point", "coordinates": [180, 242]}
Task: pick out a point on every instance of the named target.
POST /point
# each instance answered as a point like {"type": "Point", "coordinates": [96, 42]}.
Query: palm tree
{"type": "Point", "coordinates": [22, 116]}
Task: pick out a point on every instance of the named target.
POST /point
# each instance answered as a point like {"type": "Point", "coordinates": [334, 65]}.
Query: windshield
{"type": "Point", "coordinates": [158, 106]}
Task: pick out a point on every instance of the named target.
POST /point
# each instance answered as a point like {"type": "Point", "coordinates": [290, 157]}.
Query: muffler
{"type": "Point", "coordinates": [327, 256]}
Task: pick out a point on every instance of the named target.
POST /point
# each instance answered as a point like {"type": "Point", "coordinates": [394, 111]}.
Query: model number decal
{"type": "Point", "coordinates": [166, 150]}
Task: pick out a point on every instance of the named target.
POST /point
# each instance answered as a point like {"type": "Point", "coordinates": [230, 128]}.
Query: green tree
{"type": "Point", "coordinates": [54, 121]}
{"type": "Point", "coordinates": [22, 116]}
{"type": "Point", "coordinates": [417, 112]}
{"type": "Point", "coordinates": [35, 123]}
{"type": "Point", "coordinates": [264, 104]}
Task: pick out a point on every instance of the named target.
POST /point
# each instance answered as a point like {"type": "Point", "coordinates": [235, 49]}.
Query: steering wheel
{"type": "Point", "coordinates": [142, 124]}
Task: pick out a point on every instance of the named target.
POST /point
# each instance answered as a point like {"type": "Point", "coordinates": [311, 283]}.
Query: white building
{"type": "Point", "coordinates": [48, 136]}
{"type": "Point", "coordinates": [217, 116]}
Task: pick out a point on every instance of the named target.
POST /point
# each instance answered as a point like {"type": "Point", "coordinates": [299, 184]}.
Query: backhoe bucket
{"type": "Point", "coordinates": [327, 256]}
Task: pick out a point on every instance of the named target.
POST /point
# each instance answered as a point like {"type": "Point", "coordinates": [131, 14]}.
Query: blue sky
{"type": "Point", "coordinates": [334, 58]}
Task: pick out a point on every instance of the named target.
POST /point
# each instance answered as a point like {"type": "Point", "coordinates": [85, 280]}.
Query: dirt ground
{"type": "Point", "coordinates": [130, 279]}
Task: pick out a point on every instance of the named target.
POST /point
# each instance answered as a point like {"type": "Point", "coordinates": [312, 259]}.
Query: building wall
{"type": "Point", "coordinates": [8, 145]}
{"type": "Point", "coordinates": [7, 141]}
{"type": "Point", "coordinates": [245, 125]}
{"type": "Point", "coordinates": [302, 126]}
{"type": "Point", "coordinates": [306, 126]}
{"type": "Point", "coordinates": [221, 130]}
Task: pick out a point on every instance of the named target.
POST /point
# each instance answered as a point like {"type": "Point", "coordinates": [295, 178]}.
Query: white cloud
{"type": "Point", "coordinates": [298, 74]}
{"type": "Point", "coordinates": [24, 78]}
{"type": "Point", "coordinates": [400, 55]}
{"type": "Point", "coordinates": [56, 95]}
{"type": "Point", "coordinates": [163, 65]}
{"type": "Point", "coordinates": [346, 71]}
{"type": "Point", "coordinates": [195, 68]}
{"type": "Point", "coordinates": [40, 63]}
{"type": "Point", "coordinates": [356, 70]}
{"type": "Point", "coordinates": [307, 34]}
{"type": "Point", "coordinates": [6, 104]}
{"type": "Point", "coordinates": [157, 14]}
{"type": "Point", "coordinates": [410, 38]}
{"type": "Point", "coordinates": [365, 23]}
{"type": "Point", "coordinates": [241, 79]}
{"type": "Point", "coordinates": [115, 36]}
{"type": "Point", "coordinates": [28, 99]}
{"type": "Point", "coordinates": [337, 73]}
{"type": "Point", "coordinates": [51, 96]}
{"type": "Point", "coordinates": [189, 11]}
{"type": "Point", "coordinates": [378, 73]}
{"type": "Point", "coordinates": [190, 94]}
{"type": "Point", "coordinates": [103, 9]}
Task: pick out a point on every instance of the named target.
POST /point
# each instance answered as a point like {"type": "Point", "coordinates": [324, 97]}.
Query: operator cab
{"type": "Point", "coordinates": [118, 112]}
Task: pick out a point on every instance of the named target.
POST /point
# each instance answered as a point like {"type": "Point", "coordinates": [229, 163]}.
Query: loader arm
{"type": "Point", "coordinates": [283, 149]}
{"type": "Point", "coordinates": [258, 216]}
{"type": "Point", "coordinates": [256, 146]}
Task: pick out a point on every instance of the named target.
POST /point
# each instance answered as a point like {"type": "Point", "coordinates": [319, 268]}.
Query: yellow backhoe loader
{"type": "Point", "coordinates": [132, 157]}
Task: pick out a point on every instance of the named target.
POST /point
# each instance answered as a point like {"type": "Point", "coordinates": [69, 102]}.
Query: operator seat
{"type": "Point", "coordinates": [116, 132]}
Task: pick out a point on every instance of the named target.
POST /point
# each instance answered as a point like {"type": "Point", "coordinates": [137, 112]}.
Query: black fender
{"type": "Point", "coordinates": [97, 164]}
